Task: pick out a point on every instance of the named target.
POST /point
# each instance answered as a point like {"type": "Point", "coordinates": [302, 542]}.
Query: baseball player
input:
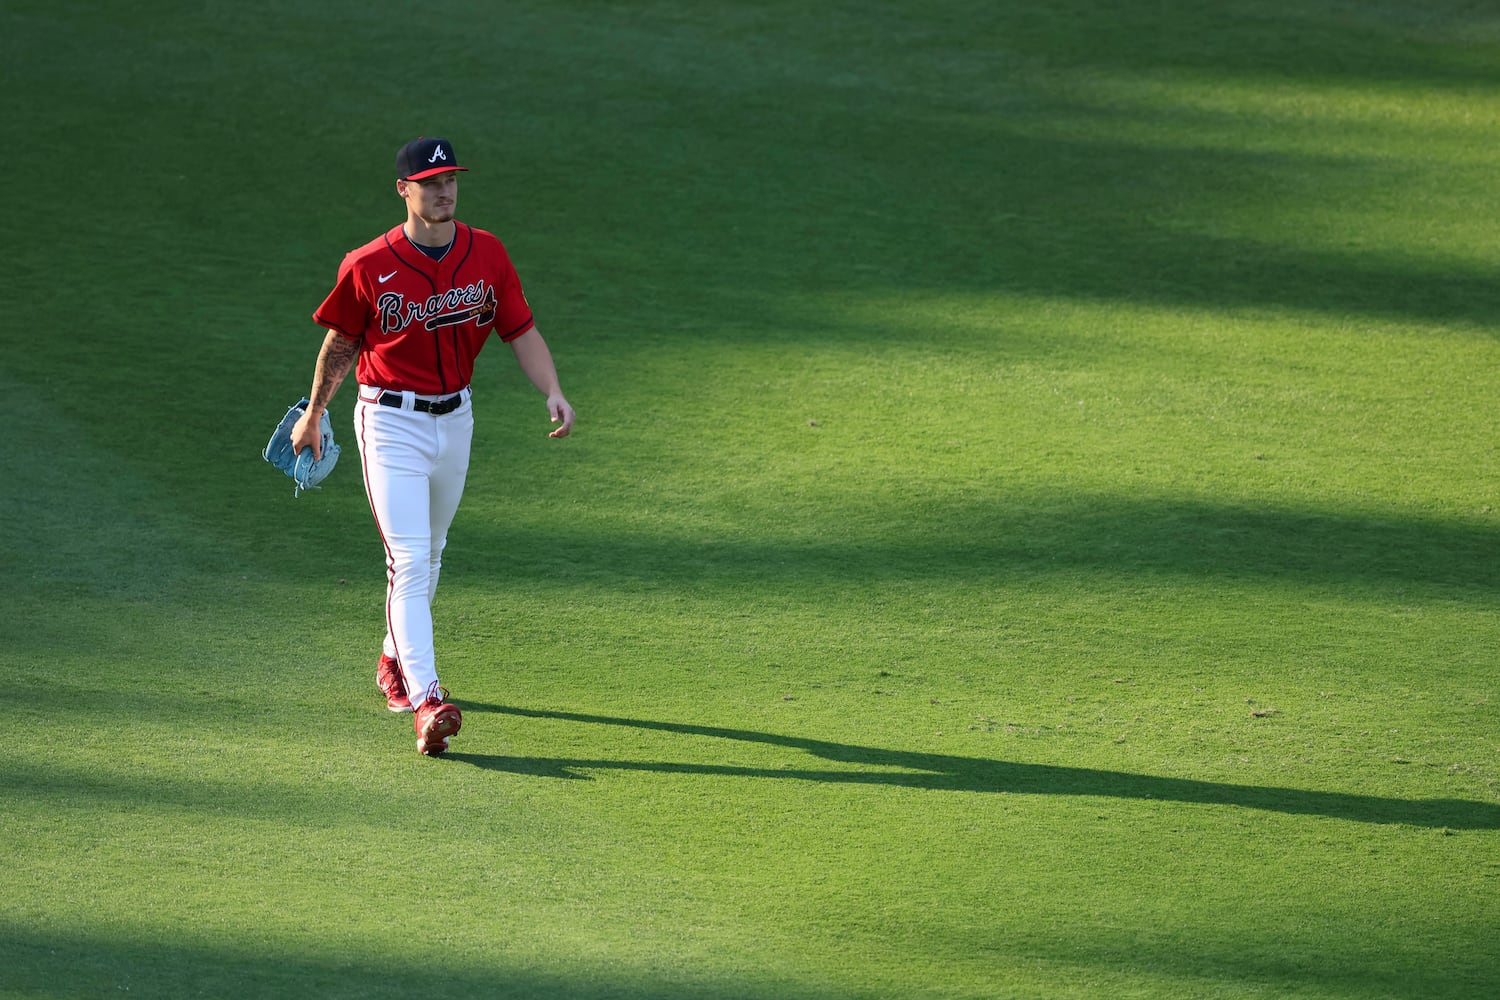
{"type": "Point", "coordinates": [409, 312]}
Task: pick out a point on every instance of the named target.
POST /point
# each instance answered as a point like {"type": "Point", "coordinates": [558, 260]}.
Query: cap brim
{"type": "Point", "coordinates": [431, 173]}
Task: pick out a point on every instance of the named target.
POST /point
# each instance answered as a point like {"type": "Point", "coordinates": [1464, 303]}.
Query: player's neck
{"type": "Point", "coordinates": [429, 234]}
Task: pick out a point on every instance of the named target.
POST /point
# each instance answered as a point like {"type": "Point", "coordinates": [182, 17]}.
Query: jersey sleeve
{"type": "Point", "coordinates": [512, 312]}
{"type": "Point", "coordinates": [345, 309]}
{"type": "Point", "coordinates": [513, 317]}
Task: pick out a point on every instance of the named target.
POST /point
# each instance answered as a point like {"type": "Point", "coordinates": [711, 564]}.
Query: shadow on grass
{"type": "Point", "coordinates": [140, 962]}
{"type": "Point", "coordinates": [1022, 537]}
{"type": "Point", "coordinates": [1055, 195]}
{"type": "Point", "coordinates": [942, 772]}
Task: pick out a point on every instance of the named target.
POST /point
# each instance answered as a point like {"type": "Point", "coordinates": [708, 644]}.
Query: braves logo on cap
{"type": "Point", "coordinates": [425, 157]}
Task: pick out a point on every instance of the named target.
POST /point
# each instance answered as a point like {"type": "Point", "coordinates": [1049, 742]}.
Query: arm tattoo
{"type": "Point", "coordinates": [334, 362]}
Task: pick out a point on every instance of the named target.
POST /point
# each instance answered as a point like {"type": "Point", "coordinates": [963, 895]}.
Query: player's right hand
{"type": "Point", "coordinates": [305, 433]}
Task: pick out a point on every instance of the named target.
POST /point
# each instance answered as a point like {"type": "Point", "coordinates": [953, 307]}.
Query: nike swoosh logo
{"type": "Point", "coordinates": [387, 277]}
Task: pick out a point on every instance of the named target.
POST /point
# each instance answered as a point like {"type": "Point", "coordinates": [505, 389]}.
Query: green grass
{"type": "Point", "coordinates": [1030, 530]}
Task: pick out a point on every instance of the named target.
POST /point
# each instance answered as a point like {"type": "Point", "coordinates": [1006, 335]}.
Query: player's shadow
{"type": "Point", "coordinates": [942, 772]}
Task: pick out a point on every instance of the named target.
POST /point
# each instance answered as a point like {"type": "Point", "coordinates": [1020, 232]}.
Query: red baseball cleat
{"type": "Point", "coordinates": [435, 721]}
{"type": "Point", "coordinates": [392, 684]}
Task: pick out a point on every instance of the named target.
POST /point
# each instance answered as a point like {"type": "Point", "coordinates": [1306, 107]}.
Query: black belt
{"type": "Point", "coordinates": [435, 407]}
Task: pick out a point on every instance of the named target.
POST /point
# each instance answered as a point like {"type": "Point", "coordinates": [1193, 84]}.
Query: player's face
{"type": "Point", "coordinates": [432, 199]}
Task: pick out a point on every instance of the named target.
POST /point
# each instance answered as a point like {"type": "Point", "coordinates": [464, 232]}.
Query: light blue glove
{"type": "Point", "coordinates": [305, 471]}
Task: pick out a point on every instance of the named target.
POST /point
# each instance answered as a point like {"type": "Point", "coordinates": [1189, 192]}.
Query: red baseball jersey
{"type": "Point", "coordinates": [424, 321]}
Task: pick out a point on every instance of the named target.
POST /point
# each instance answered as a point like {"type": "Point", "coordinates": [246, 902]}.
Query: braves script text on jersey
{"type": "Point", "coordinates": [424, 321]}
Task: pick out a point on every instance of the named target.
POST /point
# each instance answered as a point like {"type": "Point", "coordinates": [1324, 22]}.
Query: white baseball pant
{"type": "Point", "coordinates": [415, 465]}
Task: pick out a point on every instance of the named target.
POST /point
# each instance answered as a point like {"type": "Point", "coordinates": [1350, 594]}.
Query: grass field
{"type": "Point", "coordinates": [1030, 530]}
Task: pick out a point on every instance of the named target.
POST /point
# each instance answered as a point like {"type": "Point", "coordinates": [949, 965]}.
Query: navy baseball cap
{"type": "Point", "coordinates": [424, 158]}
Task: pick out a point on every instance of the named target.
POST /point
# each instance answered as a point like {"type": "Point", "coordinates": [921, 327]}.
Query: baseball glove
{"type": "Point", "coordinates": [305, 471]}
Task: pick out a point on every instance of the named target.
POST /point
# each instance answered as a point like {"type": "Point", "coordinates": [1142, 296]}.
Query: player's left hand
{"type": "Point", "coordinates": [562, 414]}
